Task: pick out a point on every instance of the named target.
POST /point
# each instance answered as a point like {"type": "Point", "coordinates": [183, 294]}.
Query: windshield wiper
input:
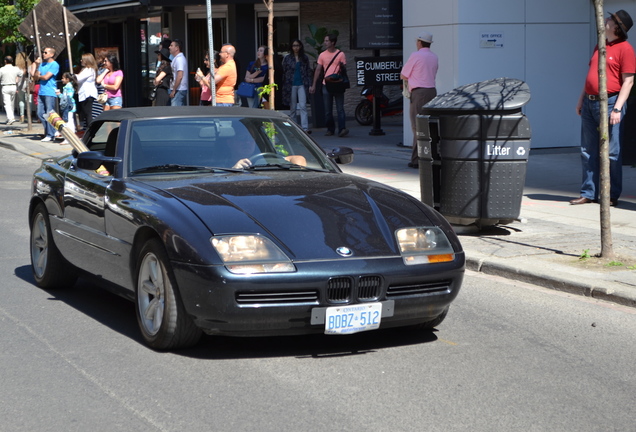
{"type": "Point", "coordinates": [287, 166]}
{"type": "Point", "coordinates": [178, 167]}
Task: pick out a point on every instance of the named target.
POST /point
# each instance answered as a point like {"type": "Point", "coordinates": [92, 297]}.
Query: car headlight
{"type": "Point", "coordinates": [424, 245]}
{"type": "Point", "coordinates": [247, 254]}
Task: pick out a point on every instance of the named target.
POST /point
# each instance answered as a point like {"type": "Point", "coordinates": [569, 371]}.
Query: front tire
{"type": "Point", "coordinates": [161, 315]}
{"type": "Point", "coordinates": [50, 269]}
{"type": "Point", "coordinates": [364, 113]}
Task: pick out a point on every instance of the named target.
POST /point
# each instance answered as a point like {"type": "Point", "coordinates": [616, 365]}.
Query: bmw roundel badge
{"type": "Point", "coordinates": [344, 251]}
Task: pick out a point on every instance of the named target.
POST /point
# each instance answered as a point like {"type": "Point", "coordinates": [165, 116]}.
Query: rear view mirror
{"type": "Point", "coordinates": [341, 155]}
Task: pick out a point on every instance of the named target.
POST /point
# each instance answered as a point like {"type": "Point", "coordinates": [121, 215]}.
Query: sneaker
{"type": "Point", "coordinates": [329, 133]}
{"type": "Point", "coordinates": [64, 142]}
{"type": "Point", "coordinates": [343, 132]}
{"type": "Point", "coordinates": [10, 122]}
{"type": "Point", "coordinates": [308, 131]}
{"type": "Point", "coordinates": [47, 139]}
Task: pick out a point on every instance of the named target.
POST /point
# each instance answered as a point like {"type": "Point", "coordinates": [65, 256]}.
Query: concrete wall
{"type": "Point", "coordinates": [546, 43]}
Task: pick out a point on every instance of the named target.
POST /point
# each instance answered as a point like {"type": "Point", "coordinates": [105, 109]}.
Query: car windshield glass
{"type": "Point", "coordinates": [221, 142]}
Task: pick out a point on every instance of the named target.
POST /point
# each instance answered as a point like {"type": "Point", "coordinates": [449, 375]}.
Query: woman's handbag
{"type": "Point", "coordinates": [247, 90]}
{"type": "Point", "coordinates": [153, 94]}
{"type": "Point", "coordinates": [102, 98]}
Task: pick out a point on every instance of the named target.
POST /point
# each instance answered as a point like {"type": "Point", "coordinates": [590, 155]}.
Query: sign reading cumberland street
{"type": "Point", "coordinates": [378, 24]}
{"type": "Point", "coordinates": [378, 70]}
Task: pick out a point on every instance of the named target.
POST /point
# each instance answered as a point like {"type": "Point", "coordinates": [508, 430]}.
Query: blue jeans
{"type": "Point", "coordinates": [179, 98]}
{"type": "Point", "coordinates": [46, 104]}
{"type": "Point", "coordinates": [590, 150]}
{"type": "Point", "coordinates": [299, 105]}
{"type": "Point", "coordinates": [254, 102]}
{"type": "Point", "coordinates": [328, 99]}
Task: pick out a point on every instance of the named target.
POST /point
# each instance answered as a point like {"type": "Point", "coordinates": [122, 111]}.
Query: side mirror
{"type": "Point", "coordinates": [92, 160]}
{"type": "Point", "coordinates": [341, 155]}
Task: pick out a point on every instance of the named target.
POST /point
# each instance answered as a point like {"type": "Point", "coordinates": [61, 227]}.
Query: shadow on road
{"type": "Point", "coordinates": [118, 314]}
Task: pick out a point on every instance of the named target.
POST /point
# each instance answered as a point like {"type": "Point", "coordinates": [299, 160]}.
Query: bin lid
{"type": "Point", "coordinates": [499, 94]}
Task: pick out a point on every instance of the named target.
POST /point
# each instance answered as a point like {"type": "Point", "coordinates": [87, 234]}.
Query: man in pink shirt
{"type": "Point", "coordinates": [420, 70]}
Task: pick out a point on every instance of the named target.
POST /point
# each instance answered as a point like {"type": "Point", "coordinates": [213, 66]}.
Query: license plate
{"type": "Point", "coordinates": [353, 319]}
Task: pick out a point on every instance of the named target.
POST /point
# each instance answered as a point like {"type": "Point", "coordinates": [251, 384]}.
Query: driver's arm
{"type": "Point", "coordinates": [297, 159]}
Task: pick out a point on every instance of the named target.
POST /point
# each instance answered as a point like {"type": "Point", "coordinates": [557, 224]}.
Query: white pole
{"type": "Point", "coordinates": [208, 5]}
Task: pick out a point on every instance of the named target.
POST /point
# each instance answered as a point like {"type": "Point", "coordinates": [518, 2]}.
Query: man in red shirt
{"type": "Point", "coordinates": [420, 70]}
{"type": "Point", "coordinates": [621, 65]}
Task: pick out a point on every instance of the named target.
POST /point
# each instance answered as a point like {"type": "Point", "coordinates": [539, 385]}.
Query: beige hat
{"type": "Point", "coordinates": [425, 37]}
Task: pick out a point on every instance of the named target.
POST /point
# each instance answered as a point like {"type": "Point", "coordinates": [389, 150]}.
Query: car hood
{"type": "Point", "coordinates": [310, 215]}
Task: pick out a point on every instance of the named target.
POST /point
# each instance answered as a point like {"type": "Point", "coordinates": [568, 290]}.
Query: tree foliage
{"type": "Point", "coordinates": [317, 37]}
{"type": "Point", "coordinates": [12, 13]}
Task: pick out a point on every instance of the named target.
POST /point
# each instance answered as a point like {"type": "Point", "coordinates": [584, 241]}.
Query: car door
{"type": "Point", "coordinates": [83, 230]}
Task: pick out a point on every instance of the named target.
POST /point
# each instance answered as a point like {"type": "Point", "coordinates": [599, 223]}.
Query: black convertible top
{"type": "Point", "coordinates": [184, 111]}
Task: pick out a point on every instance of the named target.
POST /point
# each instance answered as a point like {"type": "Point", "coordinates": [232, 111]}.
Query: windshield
{"type": "Point", "coordinates": [220, 143]}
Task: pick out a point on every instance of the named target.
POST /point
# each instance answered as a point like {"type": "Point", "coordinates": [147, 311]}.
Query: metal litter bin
{"type": "Point", "coordinates": [479, 139]}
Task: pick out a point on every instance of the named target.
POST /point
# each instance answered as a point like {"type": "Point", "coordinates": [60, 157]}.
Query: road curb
{"type": "Point", "coordinates": [614, 294]}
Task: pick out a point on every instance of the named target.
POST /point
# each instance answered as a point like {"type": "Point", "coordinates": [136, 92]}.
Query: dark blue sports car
{"type": "Point", "coordinates": [233, 221]}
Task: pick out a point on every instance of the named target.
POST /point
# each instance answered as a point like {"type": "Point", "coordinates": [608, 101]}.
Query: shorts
{"type": "Point", "coordinates": [114, 101]}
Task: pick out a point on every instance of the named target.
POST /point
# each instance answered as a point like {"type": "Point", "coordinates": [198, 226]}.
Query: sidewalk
{"type": "Point", "coordinates": [543, 248]}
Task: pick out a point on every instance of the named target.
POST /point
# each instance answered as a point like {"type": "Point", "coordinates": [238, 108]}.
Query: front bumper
{"type": "Point", "coordinates": [220, 302]}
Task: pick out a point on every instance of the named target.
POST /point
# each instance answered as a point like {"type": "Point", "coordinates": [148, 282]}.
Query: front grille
{"type": "Point", "coordinates": [369, 288]}
{"type": "Point", "coordinates": [339, 290]}
{"type": "Point", "coordinates": [442, 287]}
{"type": "Point", "coordinates": [277, 298]}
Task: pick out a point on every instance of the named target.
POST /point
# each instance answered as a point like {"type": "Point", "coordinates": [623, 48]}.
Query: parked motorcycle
{"type": "Point", "coordinates": [364, 110]}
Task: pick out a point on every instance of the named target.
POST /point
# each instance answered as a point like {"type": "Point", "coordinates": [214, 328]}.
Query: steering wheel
{"type": "Point", "coordinates": [266, 157]}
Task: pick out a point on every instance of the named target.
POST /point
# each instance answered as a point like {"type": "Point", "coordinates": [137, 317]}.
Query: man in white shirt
{"type": "Point", "coordinates": [180, 72]}
{"type": "Point", "coordinates": [9, 76]}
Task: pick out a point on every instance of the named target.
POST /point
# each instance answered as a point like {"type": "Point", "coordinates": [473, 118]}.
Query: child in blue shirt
{"type": "Point", "coordinates": [67, 101]}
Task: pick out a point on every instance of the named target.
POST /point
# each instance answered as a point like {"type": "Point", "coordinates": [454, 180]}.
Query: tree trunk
{"type": "Point", "coordinates": [607, 249]}
{"type": "Point", "coordinates": [270, 48]}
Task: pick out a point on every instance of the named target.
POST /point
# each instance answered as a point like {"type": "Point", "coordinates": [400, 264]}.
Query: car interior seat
{"type": "Point", "coordinates": [111, 143]}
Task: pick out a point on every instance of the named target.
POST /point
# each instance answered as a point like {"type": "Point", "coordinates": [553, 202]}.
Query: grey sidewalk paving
{"type": "Point", "coordinates": [543, 248]}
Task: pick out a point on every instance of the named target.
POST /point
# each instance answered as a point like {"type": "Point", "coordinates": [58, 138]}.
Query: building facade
{"type": "Point", "coordinates": [547, 43]}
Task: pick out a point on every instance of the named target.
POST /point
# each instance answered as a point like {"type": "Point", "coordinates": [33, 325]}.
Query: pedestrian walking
{"type": "Point", "coordinates": [67, 101]}
{"type": "Point", "coordinates": [179, 92]}
{"type": "Point", "coordinates": [163, 78]}
{"type": "Point", "coordinates": [296, 82]}
{"type": "Point", "coordinates": [87, 92]}
{"type": "Point", "coordinates": [204, 81]}
{"type": "Point", "coordinates": [257, 73]}
{"type": "Point", "coordinates": [225, 76]}
{"type": "Point", "coordinates": [10, 74]}
{"type": "Point", "coordinates": [45, 76]}
{"type": "Point", "coordinates": [329, 63]}
{"type": "Point", "coordinates": [111, 79]}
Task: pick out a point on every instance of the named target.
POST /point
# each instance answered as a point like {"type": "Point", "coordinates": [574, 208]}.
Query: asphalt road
{"type": "Point", "coordinates": [508, 357]}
